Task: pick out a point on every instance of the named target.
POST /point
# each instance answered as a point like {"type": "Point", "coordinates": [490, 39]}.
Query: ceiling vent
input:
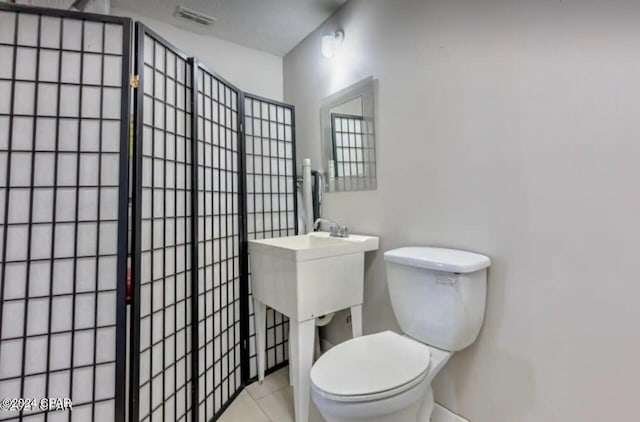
{"type": "Point", "coordinates": [193, 15]}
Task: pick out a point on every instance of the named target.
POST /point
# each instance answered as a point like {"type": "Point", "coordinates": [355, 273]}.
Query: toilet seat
{"type": "Point", "coordinates": [371, 367]}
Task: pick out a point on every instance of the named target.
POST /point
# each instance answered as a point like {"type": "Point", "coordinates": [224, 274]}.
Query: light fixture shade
{"type": "Point", "coordinates": [328, 46]}
{"type": "Point", "coordinates": [331, 43]}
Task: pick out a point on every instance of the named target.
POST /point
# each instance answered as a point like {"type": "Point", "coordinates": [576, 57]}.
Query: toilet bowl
{"type": "Point", "coordinates": [381, 377]}
{"type": "Point", "coordinates": [438, 297]}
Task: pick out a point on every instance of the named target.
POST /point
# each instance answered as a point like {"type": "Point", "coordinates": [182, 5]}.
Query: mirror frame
{"type": "Point", "coordinates": [366, 90]}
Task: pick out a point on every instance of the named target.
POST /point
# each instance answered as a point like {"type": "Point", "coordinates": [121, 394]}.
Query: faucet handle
{"type": "Point", "coordinates": [344, 231]}
{"type": "Point", "coordinates": [334, 230]}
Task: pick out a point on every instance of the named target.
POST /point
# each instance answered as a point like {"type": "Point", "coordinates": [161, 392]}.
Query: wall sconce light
{"type": "Point", "coordinates": [331, 43]}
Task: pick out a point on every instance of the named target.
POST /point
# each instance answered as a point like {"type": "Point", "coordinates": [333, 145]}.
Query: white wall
{"type": "Point", "coordinates": [250, 70]}
{"type": "Point", "coordinates": [510, 128]}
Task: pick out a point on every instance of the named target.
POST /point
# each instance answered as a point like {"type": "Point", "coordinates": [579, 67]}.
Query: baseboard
{"type": "Point", "coordinates": [442, 414]}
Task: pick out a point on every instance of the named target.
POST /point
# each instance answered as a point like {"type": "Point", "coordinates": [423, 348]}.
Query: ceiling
{"type": "Point", "coordinates": [273, 26]}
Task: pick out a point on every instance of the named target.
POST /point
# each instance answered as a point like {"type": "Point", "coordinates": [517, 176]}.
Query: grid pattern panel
{"type": "Point", "coordinates": [62, 211]}
{"type": "Point", "coordinates": [219, 338]}
{"type": "Point", "coordinates": [165, 250]}
{"type": "Point", "coordinates": [271, 202]}
{"type": "Point", "coordinates": [353, 146]}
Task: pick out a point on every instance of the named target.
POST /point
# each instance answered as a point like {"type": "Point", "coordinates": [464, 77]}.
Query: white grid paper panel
{"type": "Point", "coordinates": [270, 203]}
{"type": "Point", "coordinates": [218, 245]}
{"type": "Point", "coordinates": [60, 95]}
{"type": "Point", "coordinates": [353, 146]}
{"type": "Point", "coordinates": [165, 284]}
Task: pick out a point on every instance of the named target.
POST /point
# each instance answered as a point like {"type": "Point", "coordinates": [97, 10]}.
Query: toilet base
{"type": "Point", "coordinates": [412, 406]}
{"type": "Point", "coordinates": [424, 414]}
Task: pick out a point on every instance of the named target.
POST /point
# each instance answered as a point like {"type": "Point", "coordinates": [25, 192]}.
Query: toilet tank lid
{"type": "Point", "coordinates": [438, 259]}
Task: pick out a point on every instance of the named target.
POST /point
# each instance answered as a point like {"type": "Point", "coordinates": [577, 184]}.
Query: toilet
{"type": "Point", "coordinates": [438, 297]}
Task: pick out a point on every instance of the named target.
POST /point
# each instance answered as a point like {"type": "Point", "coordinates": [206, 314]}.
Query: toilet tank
{"type": "Point", "coordinates": [438, 295]}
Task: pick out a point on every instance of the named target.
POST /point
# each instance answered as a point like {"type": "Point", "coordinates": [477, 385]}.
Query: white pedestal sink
{"type": "Point", "coordinates": [305, 277]}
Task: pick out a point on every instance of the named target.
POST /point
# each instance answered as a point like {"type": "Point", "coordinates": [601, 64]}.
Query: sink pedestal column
{"type": "Point", "coordinates": [260, 318]}
{"type": "Point", "coordinates": [301, 336]}
{"type": "Point", "coordinates": [301, 351]}
{"type": "Point", "coordinates": [356, 320]}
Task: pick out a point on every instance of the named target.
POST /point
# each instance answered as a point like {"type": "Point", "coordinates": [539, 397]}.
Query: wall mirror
{"type": "Point", "coordinates": [348, 141]}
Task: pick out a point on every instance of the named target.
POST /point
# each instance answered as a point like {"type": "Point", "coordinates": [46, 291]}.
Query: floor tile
{"type": "Point", "coordinates": [244, 409]}
{"type": "Point", "coordinates": [272, 383]}
{"type": "Point", "coordinates": [278, 406]}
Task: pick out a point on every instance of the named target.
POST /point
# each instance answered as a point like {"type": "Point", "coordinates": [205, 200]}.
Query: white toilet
{"type": "Point", "coordinates": [438, 296]}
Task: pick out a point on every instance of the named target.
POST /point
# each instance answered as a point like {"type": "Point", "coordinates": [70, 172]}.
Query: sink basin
{"type": "Point", "coordinates": [310, 275]}
{"type": "Point", "coordinates": [314, 246]}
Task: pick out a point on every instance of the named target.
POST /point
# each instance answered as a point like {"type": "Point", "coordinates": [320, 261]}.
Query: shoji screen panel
{"type": "Point", "coordinates": [219, 230]}
{"type": "Point", "coordinates": [271, 200]}
{"type": "Point", "coordinates": [353, 149]}
{"type": "Point", "coordinates": [353, 154]}
{"type": "Point", "coordinates": [161, 349]}
{"type": "Point", "coordinates": [64, 100]}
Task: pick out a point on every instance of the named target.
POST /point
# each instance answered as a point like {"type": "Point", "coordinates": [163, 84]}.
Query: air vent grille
{"type": "Point", "coordinates": [193, 15]}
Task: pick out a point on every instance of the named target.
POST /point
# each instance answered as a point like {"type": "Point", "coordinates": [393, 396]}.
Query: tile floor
{"type": "Point", "coordinates": [270, 402]}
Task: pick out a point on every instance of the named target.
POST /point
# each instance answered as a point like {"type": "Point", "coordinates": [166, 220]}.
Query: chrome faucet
{"type": "Point", "coordinates": [336, 230]}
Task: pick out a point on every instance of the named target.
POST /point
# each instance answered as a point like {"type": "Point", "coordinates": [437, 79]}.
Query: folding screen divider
{"type": "Point", "coordinates": [64, 110]}
{"type": "Point", "coordinates": [202, 185]}
{"type": "Point", "coordinates": [162, 313]}
{"type": "Point", "coordinates": [218, 240]}
{"type": "Point", "coordinates": [271, 202]}
{"type": "Point", "coordinates": [192, 349]}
